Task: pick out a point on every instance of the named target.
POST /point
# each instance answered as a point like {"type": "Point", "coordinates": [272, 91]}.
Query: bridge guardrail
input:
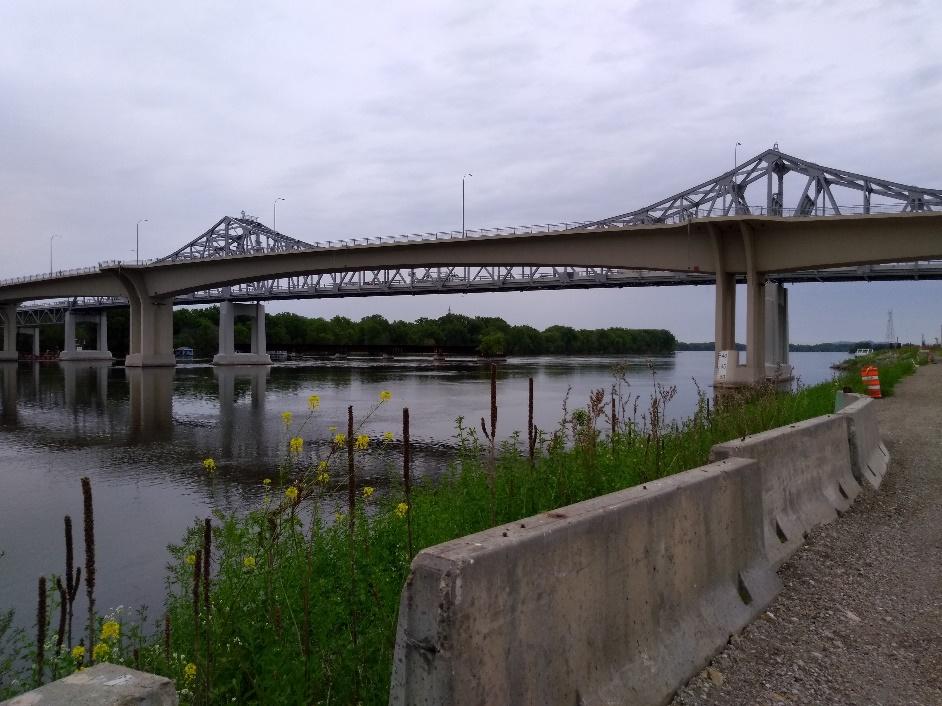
{"type": "Point", "coordinates": [535, 229]}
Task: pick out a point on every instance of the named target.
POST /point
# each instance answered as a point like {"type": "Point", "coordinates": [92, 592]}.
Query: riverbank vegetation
{"type": "Point", "coordinates": [296, 601]}
{"type": "Point", "coordinates": [490, 335]}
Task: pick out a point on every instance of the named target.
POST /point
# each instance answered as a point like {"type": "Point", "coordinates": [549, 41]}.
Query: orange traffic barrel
{"type": "Point", "coordinates": [870, 377]}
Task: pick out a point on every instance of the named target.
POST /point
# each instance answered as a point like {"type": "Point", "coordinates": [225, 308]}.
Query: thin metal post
{"type": "Point", "coordinates": [51, 238]}
{"type": "Point", "coordinates": [273, 224]}
{"type": "Point", "coordinates": [464, 233]}
{"type": "Point", "coordinates": [137, 240]}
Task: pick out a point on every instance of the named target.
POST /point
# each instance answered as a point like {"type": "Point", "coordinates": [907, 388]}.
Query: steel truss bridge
{"type": "Point", "coordinates": [819, 191]}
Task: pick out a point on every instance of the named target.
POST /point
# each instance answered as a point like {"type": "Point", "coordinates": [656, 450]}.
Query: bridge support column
{"type": "Point", "coordinates": [35, 333]}
{"type": "Point", "coordinates": [755, 328]}
{"type": "Point", "coordinates": [151, 333]}
{"type": "Point", "coordinates": [777, 367]}
{"type": "Point", "coordinates": [728, 371]}
{"type": "Point", "coordinates": [9, 334]}
{"type": "Point", "coordinates": [72, 351]}
{"type": "Point", "coordinates": [227, 354]}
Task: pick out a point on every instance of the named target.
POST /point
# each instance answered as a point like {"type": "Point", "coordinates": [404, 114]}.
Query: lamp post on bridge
{"type": "Point", "coordinates": [280, 198]}
{"type": "Point", "coordinates": [137, 240]}
{"type": "Point", "coordinates": [463, 231]}
{"type": "Point", "coordinates": [51, 238]}
{"type": "Point", "coordinates": [736, 154]}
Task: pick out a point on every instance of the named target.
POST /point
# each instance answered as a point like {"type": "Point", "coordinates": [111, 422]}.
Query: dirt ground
{"type": "Point", "coordinates": [859, 619]}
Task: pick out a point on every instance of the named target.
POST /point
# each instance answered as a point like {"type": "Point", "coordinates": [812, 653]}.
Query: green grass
{"type": "Point", "coordinates": [304, 603]}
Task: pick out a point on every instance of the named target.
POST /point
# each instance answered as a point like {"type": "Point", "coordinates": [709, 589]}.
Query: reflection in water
{"type": "Point", "coordinates": [233, 419]}
{"type": "Point", "coordinates": [8, 414]}
{"type": "Point", "coordinates": [151, 404]}
{"type": "Point", "coordinates": [94, 382]}
{"type": "Point", "coordinates": [140, 435]}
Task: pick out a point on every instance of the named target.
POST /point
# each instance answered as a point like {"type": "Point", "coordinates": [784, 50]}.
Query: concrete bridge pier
{"type": "Point", "coordinates": [151, 333]}
{"type": "Point", "coordinates": [227, 354]}
{"type": "Point", "coordinates": [72, 351]}
{"type": "Point", "coordinates": [777, 367]}
{"type": "Point", "coordinates": [34, 330]}
{"type": "Point", "coordinates": [766, 316]}
{"type": "Point", "coordinates": [9, 333]}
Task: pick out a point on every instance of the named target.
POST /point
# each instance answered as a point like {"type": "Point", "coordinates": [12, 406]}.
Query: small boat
{"type": "Point", "coordinates": [183, 353]}
{"type": "Point", "coordinates": [278, 356]}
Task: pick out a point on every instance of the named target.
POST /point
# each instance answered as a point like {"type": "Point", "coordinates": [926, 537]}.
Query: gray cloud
{"type": "Point", "coordinates": [364, 117]}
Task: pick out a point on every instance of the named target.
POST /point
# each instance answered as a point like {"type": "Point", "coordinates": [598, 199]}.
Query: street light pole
{"type": "Point", "coordinates": [463, 231]}
{"type": "Point", "coordinates": [736, 155]}
{"type": "Point", "coordinates": [137, 240]}
{"type": "Point", "coordinates": [280, 198]}
{"type": "Point", "coordinates": [51, 238]}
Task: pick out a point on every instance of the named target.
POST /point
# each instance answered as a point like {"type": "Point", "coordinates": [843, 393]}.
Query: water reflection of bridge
{"type": "Point", "coordinates": [96, 411]}
{"type": "Point", "coordinates": [735, 226]}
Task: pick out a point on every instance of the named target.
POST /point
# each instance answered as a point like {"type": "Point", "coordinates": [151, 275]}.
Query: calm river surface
{"type": "Point", "coordinates": [141, 435]}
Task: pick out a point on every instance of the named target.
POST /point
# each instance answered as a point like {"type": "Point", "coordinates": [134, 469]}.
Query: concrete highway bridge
{"type": "Point", "coordinates": [843, 227]}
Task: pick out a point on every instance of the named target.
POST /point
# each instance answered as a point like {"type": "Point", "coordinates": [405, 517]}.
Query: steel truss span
{"type": "Point", "coordinates": [826, 191]}
{"type": "Point", "coordinates": [727, 194]}
{"type": "Point", "coordinates": [466, 280]}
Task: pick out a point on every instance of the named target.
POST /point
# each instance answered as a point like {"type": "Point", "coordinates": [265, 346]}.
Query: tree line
{"type": "Point", "coordinates": [199, 329]}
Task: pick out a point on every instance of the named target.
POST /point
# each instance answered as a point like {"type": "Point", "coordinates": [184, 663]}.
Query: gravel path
{"type": "Point", "coordinates": [859, 620]}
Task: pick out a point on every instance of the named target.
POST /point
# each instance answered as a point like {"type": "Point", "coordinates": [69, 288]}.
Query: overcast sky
{"type": "Point", "coordinates": [365, 115]}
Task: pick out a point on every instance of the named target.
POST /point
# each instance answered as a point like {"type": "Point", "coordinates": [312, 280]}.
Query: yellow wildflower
{"type": "Point", "coordinates": [101, 652]}
{"type": "Point", "coordinates": [296, 444]}
{"type": "Point", "coordinates": [313, 402]}
{"type": "Point", "coordinates": [340, 439]}
{"type": "Point", "coordinates": [368, 491]}
{"type": "Point", "coordinates": [209, 465]}
{"type": "Point", "coordinates": [291, 492]}
{"type": "Point", "coordinates": [388, 436]}
{"type": "Point", "coordinates": [322, 477]}
{"type": "Point", "coordinates": [362, 441]}
{"type": "Point", "coordinates": [111, 629]}
{"type": "Point", "coordinates": [339, 517]}
{"type": "Point", "coordinates": [189, 672]}
{"type": "Point", "coordinates": [385, 396]}
{"type": "Point", "coordinates": [248, 562]}
{"type": "Point", "coordinates": [191, 559]}
{"type": "Point", "coordinates": [402, 509]}
{"type": "Point", "coordinates": [286, 417]}
{"type": "Point", "coordinates": [78, 653]}
{"type": "Point", "coordinates": [322, 466]}
{"type": "Point", "coordinates": [266, 481]}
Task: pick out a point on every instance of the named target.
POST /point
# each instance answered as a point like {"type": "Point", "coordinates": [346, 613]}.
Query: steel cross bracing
{"type": "Point", "coordinates": [464, 280]}
{"type": "Point", "coordinates": [236, 236]}
{"type": "Point", "coordinates": [721, 196]}
{"type": "Point", "coordinates": [727, 194]}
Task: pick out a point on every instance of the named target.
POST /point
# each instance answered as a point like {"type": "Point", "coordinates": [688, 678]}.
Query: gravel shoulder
{"type": "Point", "coordinates": [859, 618]}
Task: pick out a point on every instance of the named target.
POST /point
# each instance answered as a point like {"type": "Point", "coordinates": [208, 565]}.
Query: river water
{"type": "Point", "coordinates": [140, 435]}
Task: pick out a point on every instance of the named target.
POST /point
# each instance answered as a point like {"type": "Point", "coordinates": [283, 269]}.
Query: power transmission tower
{"type": "Point", "coordinates": [890, 332]}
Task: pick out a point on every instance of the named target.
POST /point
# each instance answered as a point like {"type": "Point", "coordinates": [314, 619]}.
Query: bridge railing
{"type": "Point", "coordinates": [535, 229]}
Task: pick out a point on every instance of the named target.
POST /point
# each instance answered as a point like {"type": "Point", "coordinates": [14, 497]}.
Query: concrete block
{"type": "Point", "coordinates": [616, 600]}
{"type": "Point", "coordinates": [806, 478]}
{"type": "Point", "coordinates": [241, 359]}
{"type": "Point", "coordinates": [102, 685]}
{"type": "Point", "coordinates": [869, 457]}
{"type": "Point", "coordinates": [85, 355]}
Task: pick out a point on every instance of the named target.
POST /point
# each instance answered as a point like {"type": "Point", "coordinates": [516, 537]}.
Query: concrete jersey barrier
{"type": "Point", "coordinates": [102, 685]}
{"type": "Point", "coordinates": [615, 600]}
{"type": "Point", "coordinates": [806, 478]}
{"type": "Point", "coordinates": [869, 458]}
